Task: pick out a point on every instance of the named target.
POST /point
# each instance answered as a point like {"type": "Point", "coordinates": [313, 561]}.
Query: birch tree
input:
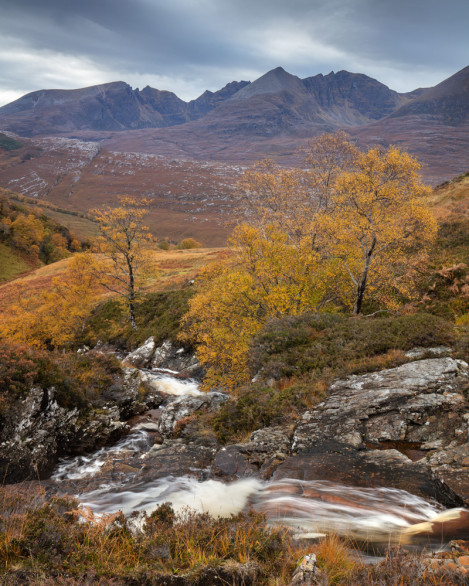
{"type": "Point", "coordinates": [123, 243]}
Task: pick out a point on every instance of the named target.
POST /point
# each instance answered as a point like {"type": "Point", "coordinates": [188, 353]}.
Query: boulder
{"type": "Point", "coordinates": [345, 464]}
{"type": "Point", "coordinates": [184, 406]}
{"type": "Point", "coordinates": [413, 419]}
{"type": "Point", "coordinates": [40, 431]}
{"type": "Point", "coordinates": [266, 449]}
{"type": "Point", "coordinates": [164, 357]}
{"type": "Point", "coordinates": [174, 458]}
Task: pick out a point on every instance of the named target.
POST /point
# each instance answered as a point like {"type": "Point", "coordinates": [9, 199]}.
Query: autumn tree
{"type": "Point", "coordinates": [27, 233]}
{"type": "Point", "coordinates": [291, 199]}
{"type": "Point", "coordinates": [378, 226]}
{"type": "Point", "coordinates": [123, 244]}
{"type": "Point", "coordinates": [346, 226]}
{"type": "Point", "coordinates": [265, 277]}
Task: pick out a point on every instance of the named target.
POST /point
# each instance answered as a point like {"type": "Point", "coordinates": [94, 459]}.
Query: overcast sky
{"type": "Point", "coordinates": [187, 46]}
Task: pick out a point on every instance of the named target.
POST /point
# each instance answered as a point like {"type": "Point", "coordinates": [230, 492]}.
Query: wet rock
{"type": "Point", "coordinates": [417, 414]}
{"type": "Point", "coordinates": [231, 462]}
{"type": "Point", "coordinates": [259, 457]}
{"type": "Point", "coordinates": [345, 464]}
{"type": "Point", "coordinates": [167, 356]}
{"type": "Point", "coordinates": [40, 431]}
{"type": "Point", "coordinates": [182, 407]}
{"type": "Point", "coordinates": [452, 524]}
{"type": "Point", "coordinates": [175, 458]}
{"type": "Point", "coordinates": [452, 466]}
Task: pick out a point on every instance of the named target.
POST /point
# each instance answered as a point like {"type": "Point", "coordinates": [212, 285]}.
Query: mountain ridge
{"type": "Point", "coordinates": [342, 98]}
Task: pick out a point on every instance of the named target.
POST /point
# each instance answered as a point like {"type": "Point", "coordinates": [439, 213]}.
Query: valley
{"type": "Point", "coordinates": [81, 148]}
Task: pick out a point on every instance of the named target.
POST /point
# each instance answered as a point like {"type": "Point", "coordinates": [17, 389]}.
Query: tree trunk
{"type": "Point", "coordinates": [361, 287]}
{"type": "Point", "coordinates": [132, 314]}
{"type": "Point", "coordinates": [131, 296]}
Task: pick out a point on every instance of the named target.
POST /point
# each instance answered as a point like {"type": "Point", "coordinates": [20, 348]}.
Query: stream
{"type": "Point", "coordinates": [311, 509]}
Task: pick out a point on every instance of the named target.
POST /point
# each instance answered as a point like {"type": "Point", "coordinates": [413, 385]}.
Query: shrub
{"type": "Point", "coordinates": [79, 380]}
{"type": "Point", "coordinates": [294, 346]}
{"type": "Point", "coordinates": [157, 314]}
{"type": "Point", "coordinates": [296, 359]}
{"type": "Point", "coordinates": [188, 243]}
{"type": "Point", "coordinates": [164, 245]}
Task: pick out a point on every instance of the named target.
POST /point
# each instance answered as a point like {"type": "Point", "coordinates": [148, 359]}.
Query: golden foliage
{"type": "Point", "coordinates": [379, 227]}
{"type": "Point", "coordinates": [318, 238]}
{"type": "Point", "coordinates": [27, 233]}
{"type": "Point", "coordinates": [266, 278]}
{"type": "Point", "coordinates": [55, 316]}
{"type": "Point", "coordinates": [123, 243]}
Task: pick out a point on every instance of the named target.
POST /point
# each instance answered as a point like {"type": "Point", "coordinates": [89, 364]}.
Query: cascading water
{"type": "Point", "coordinates": [309, 508]}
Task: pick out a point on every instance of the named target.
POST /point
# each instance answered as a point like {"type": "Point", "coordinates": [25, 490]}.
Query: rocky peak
{"type": "Point", "coordinates": [448, 101]}
{"type": "Point", "coordinates": [274, 81]}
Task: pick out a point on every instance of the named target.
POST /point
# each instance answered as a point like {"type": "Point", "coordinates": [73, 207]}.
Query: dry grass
{"type": "Point", "coordinates": [47, 538]}
{"type": "Point", "coordinates": [54, 542]}
{"type": "Point", "coordinates": [168, 269]}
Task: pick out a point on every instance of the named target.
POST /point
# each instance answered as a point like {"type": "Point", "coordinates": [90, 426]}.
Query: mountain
{"type": "Point", "coordinates": [244, 121]}
{"type": "Point", "coordinates": [109, 107]}
{"type": "Point", "coordinates": [275, 102]}
{"type": "Point", "coordinates": [447, 102]}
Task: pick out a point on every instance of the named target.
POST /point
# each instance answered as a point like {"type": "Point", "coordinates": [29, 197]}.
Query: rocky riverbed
{"type": "Point", "coordinates": [384, 452]}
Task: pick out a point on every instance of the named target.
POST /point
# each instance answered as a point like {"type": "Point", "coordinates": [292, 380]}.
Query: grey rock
{"type": "Point", "coordinates": [40, 431]}
{"type": "Point", "coordinates": [142, 355]}
{"type": "Point", "coordinates": [165, 357]}
{"type": "Point", "coordinates": [266, 449]}
{"type": "Point", "coordinates": [308, 574]}
{"type": "Point", "coordinates": [418, 409]}
{"type": "Point", "coordinates": [185, 406]}
{"type": "Point", "coordinates": [419, 352]}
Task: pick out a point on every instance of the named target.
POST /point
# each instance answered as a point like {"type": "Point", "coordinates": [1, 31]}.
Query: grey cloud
{"type": "Point", "coordinates": [206, 43]}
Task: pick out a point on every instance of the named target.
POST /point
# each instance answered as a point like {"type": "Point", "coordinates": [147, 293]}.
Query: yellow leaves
{"type": "Point", "coordinates": [267, 277]}
{"type": "Point", "coordinates": [349, 226]}
{"type": "Point", "coordinates": [55, 316]}
{"type": "Point", "coordinates": [27, 233]}
{"type": "Point", "coordinates": [123, 243]}
{"type": "Point", "coordinates": [379, 225]}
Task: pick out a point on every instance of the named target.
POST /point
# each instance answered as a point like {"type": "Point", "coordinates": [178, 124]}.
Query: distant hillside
{"type": "Point", "coordinates": [31, 237]}
{"type": "Point", "coordinates": [111, 106]}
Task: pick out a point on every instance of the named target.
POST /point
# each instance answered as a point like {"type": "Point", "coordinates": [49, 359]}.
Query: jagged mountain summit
{"type": "Point", "coordinates": [246, 121]}
{"type": "Point", "coordinates": [338, 98]}
{"type": "Point", "coordinates": [111, 106]}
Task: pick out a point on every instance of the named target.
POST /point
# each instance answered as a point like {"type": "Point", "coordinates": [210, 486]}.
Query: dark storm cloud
{"type": "Point", "coordinates": [190, 45]}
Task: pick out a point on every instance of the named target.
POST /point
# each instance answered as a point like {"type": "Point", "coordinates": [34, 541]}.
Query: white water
{"type": "Point", "coordinates": [87, 466]}
{"type": "Point", "coordinates": [164, 383]}
{"type": "Point", "coordinates": [370, 514]}
{"type": "Point", "coordinates": [310, 508]}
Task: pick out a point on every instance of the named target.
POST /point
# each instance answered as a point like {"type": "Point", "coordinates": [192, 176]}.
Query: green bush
{"type": "Point", "coordinates": [157, 314]}
{"type": "Point", "coordinates": [293, 346]}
